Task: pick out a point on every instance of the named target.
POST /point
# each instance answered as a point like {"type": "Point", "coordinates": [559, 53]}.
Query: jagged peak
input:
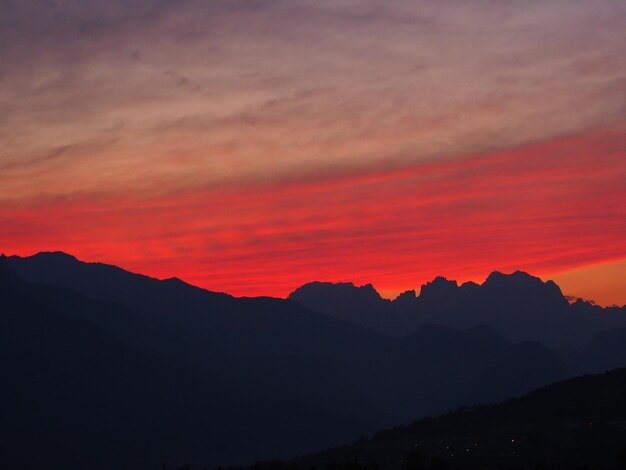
{"type": "Point", "coordinates": [438, 286]}
{"type": "Point", "coordinates": [523, 282]}
{"type": "Point", "coordinates": [470, 285]}
{"type": "Point", "coordinates": [55, 254]}
{"type": "Point", "coordinates": [346, 284]}
{"type": "Point", "coordinates": [367, 289]}
{"type": "Point", "coordinates": [406, 295]}
{"type": "Point", "coordinates": [327, 284]}
{"type": "Point", "coordinates": [517, 274]}
{"type": "Point", "coordinates": [518, 277]}
{"type": "Point", "coordinates": [176, 281]}
{"type": "Point", "coordinates": [442, 280]}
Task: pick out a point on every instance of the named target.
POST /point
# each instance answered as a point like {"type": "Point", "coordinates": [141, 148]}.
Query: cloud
{"type": "Point", "coordinates": [207, 92]}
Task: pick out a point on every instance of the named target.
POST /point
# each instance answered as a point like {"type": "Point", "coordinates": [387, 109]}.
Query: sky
{"type": "Point", "coordinates": [252, 146]}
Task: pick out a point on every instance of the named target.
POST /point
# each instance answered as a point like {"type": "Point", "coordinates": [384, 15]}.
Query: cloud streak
{"type": "Point", "coordinates": [215, 91]}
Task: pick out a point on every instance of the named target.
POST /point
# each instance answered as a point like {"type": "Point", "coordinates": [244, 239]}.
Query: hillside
{"type": "Point", "coordinates": [576, 424]}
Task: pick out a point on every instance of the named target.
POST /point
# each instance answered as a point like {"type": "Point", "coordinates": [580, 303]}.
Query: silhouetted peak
{"type": "Point", "coordinates": [54, 255]}
{"type": "Point", "coordinates": [347, 289]}
{"type": "Point", "coordinates": [438, 288]}
{"type": "Point", "coordinates": [578, 302]}
{"type": "Point", "coordinates": [470, 286]}
{"type": "Point", "coordinates": [522, 284]}
{"type": "Point", "coordinates": [176, 280]}
{"type": "Point", "coordinates": [54, 258]}
{"type": "Point", "coordinates": [441, 282]}
{"type": "Point", "coordinates": [406, 296]}
{"type": "Point", "coordinates": [554, 286]}
{"type": "Point", "coordinates": [518, 277]}
{"type": "Point", "coordinates": [369, 287]}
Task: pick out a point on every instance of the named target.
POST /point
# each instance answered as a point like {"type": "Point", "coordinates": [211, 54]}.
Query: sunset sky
{"type": "Point", "coordinates": [252, 146]}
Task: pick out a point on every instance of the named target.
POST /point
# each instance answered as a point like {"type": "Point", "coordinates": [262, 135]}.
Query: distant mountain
{"type": "Point", "coordinates": [216, 378]}
{"type": "Point", "coordinates": [362, 305]}
{"type": "Point", "coordinates": [576, 424]}
{"type": "Point", "coordinates": [518, 305]}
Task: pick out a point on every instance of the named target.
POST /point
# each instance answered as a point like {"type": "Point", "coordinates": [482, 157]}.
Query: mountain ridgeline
{"type": "Point", "coordinates": [520, 306]}
{"type": "Point", "coordinates": [110, 369]}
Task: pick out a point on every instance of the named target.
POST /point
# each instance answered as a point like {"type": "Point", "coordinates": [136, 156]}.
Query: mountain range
{"type": "Point", "coordinates": [520, 306]}
{"type": "Point", "coordinates": [108, 368]}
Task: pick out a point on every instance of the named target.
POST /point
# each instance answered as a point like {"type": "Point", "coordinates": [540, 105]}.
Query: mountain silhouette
{"type": "Point", "coordinates": [90, 384]}
{"type": "Point", "coordinates": [518, 305]}
{"type": "Point", "coordinates": [217, 379]}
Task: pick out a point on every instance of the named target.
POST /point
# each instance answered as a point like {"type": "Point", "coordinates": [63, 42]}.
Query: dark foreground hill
{"type": "Point", "coordinates": [576, 424]}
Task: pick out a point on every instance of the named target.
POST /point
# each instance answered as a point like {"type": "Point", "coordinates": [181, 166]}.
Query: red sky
{"type": "Point", "coordinates": [545, 208]}
{"type": "Point", "coordinates": [250, 149]}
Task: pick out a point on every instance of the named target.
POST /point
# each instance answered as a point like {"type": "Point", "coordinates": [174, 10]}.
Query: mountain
{"type": "Point", "coordinates": [362, 305]}
{"type": "Point", "coordinates": [258, 377]}
{"type": "Point", "coordinates": [89, 384]}
{"type": "Point", "coordinates": [239, 325]}
{"type": "Point", "coordinates": [518, 305]}
{"type": "Point", "coordinates": [577, 424]}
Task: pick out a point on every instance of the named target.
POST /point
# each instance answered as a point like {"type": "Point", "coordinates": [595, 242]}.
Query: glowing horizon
{"type": "Point", "coordinates": [250, 147]}
{"type": "Point", "coordinates": [561, 279]}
